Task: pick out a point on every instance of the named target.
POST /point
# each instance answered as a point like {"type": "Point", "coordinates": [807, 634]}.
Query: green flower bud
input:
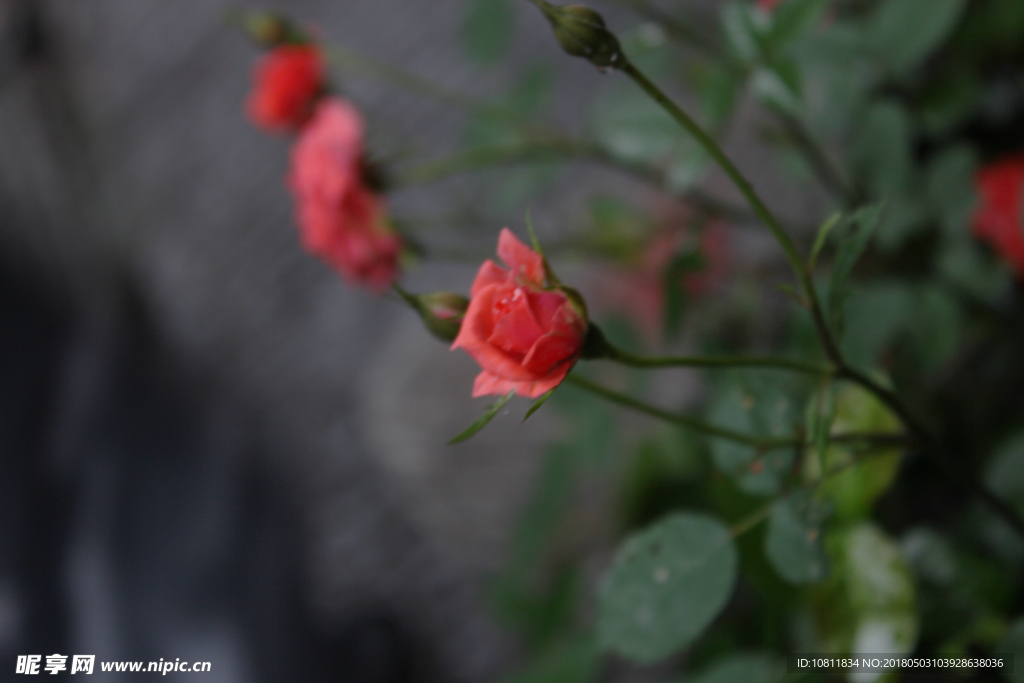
{"type": "Point", "coordinates": [442, 312]}
{"type": "Point", "coordinates": [267, 29]}
{"type": "Point", "coordinates": [581, 32]}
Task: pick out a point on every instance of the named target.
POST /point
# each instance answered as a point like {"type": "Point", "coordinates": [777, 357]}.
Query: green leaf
{"type": "Point", "coordinates": [851, 247]}
{"type": "Point", "coordinates": [484, 419]}
{"type": "Point", "coordinates": [793, 544]}
{"type": "Point", "coordinates": [854, 484]}
{"type": "Point", "coordinates": [870, 603]}
{"type": "Point", "coordinates": [537, 404]}
{"type": "Point", "coordinates": [741, 668]}
{"type": "Point", "coordinates": [905, 216]}
{"type": "Point", "coordinates": [821, 238]}
{"type": "Point", "coordinates": [754, 402]}
{"type": "Point", "coordinates": [487, 29]}
{"type": "Point", "coordinates": [774, 90]}
{"type": "Point", "coordinates": [741, 24]}
{"type": "Point", "coordinates": [876, 315]}
{"type": "Point", "coordinates": [881, 152]}
{"type": "Point", "coordinates": [821, 411]}
{"type": "Point", "coordinates": [792, 18]}
{"type": "Point", "coordinates": [717, 87]}
{"type": "Point", "coordinates": [950, 187]}
{"type": "Point", "coordinates": [665, 586]}
{"type": "Point", "coordinates": [902, 33]}
{"type": "Point", "coordinates": [635, 128]}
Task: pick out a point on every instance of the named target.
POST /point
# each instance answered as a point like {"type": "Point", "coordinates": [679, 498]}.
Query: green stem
{"type": "Point", "coordinates": [545, 150]}
{"type": "Point", "coordinates": [747, 190]}
{"type": "Point", "coordinates": [762, 443]}
{"type": "Point", "coordinates": [712, 148]}
{"type": "Point", "coordinates": [695, 424]}
{"type": "Point", "coordinates": [753, 519]}
{"type": "Point", "coordinates": [625, 358]}
{"type": "Point", "coordinates": [916, 428]}
{"type": "Point", "coordinates": [353, 61]}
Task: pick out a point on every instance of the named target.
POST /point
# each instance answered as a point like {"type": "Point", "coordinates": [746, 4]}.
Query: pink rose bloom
{"type": "Point", "coordinates": [340, 219]}
{"type": "Point", "coordinates": [525, 336]}
{"type": "Point", "coordinates": [998, 220]}
{"type": "Point", "coordinates": [287, 82]}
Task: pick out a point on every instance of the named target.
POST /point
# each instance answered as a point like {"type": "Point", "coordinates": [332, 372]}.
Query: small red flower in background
{"type": "Point", "coordinates": [1000, 218]}
{"type": "Point", "coordinates": [767, 5]}
{"type": "Point", "coordinates": [340, 218]}
{"type": "Point", "coordinates": [639, 292]}
{"type": "Point", "coordinates": [525, 336]}
{"type": "Point", "coordinates": [288, 81]}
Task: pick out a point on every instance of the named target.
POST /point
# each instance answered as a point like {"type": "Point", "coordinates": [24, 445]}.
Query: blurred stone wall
{"type": "Point", "coordinates": [205, 382]}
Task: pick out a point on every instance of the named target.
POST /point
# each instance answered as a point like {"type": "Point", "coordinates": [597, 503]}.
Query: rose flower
{"type": "Point", "coordinates": [524, 335]}
{"type": "Point", "coordinates": [998, 219]}
{"type": "Point", "coordinates": [341, 220]}
{"type": "Point", "coordinates": [288, 81]}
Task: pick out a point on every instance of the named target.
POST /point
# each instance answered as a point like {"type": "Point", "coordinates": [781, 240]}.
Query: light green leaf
{"type": "Point", "coordinates": [870, 603]}
{"type": "Point", "coordinates": [484, 419]}
{"type": "Point", "coordinates": [854, 484]}
{"type": "Point", "coordinates": [773, 90]}
{"type": "Point", "coordinates": [822, 237]}
{"type": "Point", "coordinates": [902, 33]}
{"type": "Point", "coordinates": [665, 586]}
{"type": "Point", "coordinates": [537, 404]}
{"type": "Point", "coordinates": [741, 24]}
{"type": "Point", "coordinates": [793, 544]}
{"type": "Point", "coordinates": [487, 29]}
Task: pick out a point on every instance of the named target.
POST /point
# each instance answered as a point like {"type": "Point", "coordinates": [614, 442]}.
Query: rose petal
{"type": "Point", "coordinates": [550, 350]}
{"type": "Point", "coordinates": [516, 330]}
{"type": "Point", "coordinates": [490, 273]}
{"type": "Point", "coordinates": [487, 384]}
{"type": "Point", "coordinates": [545, 305]}
{"type": "Point", "coordinates": [526, 264]}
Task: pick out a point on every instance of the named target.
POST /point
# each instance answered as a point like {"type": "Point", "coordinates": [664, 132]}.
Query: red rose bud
{"type": "Point", "coordinates": [442, 312]}
{"type": "Point", "coordinates": [341, 220]}
{"type": "Point", "coordinates": [525, 336]}
{"type": "Point", "coordinates": [998, 219]}
{"type": "Point", "coordinates": [287, 82]}
{"type": "Point", "coordinates": [581, 32]}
